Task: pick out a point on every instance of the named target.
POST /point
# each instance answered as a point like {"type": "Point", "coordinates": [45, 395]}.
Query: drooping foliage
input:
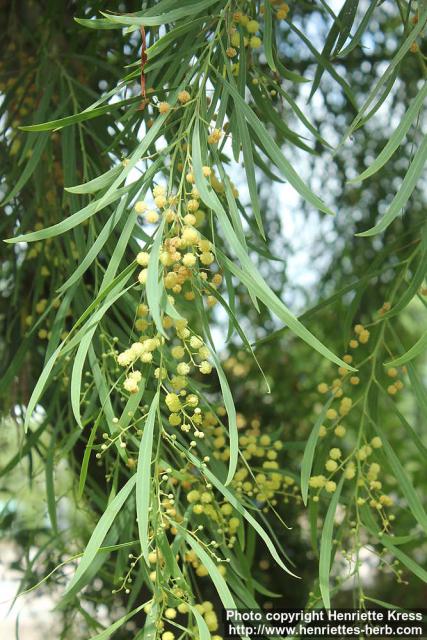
{"type": "Point", "coordinates": [165, 168]}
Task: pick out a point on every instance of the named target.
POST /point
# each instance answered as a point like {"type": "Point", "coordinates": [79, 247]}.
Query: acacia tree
{"type": "Point", "coordinates": [130, 247]}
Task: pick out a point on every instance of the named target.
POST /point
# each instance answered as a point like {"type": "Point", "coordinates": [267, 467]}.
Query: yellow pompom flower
{"type": "Point", "coordinates": [205, 367]}
{"type": "Point", "coordinates": [142, 276]}
{"type": "Point", "coordinates": [164, 107]}
{"type": "Point", "coordinates": [190, 236]}
{"type": "Point", "coordinates": [364, 336]}
{"type": "Point", "coordinates": [252, 26]}
{"type": "Point", "coordinates": [345, 406]}
{"type": "Point", "coordinates": [141, 207]}
{"type": "Point", "coordinates": [160, 201]}
{"type": "Point", "coordinates": [193, 496]}
{"type": "Point", "coordinates": [184, 97]}
{"type": "Point", "coordinates": [152, 217]}
{"type": "Point", "coordinates": [173, 402]}
{"type": "Point", "coordinates": [130, 385]}
{"type": "Point", "coordinates": [142, 259]}
{"type": "Point", "coordinates": [340, 431]}
{"type": "Point", "coordinates": [207, 258]}
{"type": "Point", "coordinates": [350, 471]}
{"type": "Point", "coordinates": [178, 352]}
{"type": "Point", "coordinates": [215, 136]}
{"type": "Point", "coordinates": [255, 42]}
{"type": "Point", "coordinates": [211, 620]}
{"type": "Point", "coordinates": [331, 465]}
{"type": "Point", "coordinates": [317, 482]}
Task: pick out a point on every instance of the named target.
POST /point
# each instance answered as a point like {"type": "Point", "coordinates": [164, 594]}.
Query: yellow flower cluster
{"type": "Point", "coordinates": [184, 253]}
{"type": "Point", "coordinates": [358, 464]}
{"type": "Point", "coordinates": [282, 9]}
{"type": "Point", "coordinates": [245, 30]}
{"type": "Point", "coordinates": [397, 385]}
{"type": "Point", "coordinates": [206, 610]}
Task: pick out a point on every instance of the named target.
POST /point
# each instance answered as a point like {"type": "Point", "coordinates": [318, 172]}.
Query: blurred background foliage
{"type": "Point", "coordinates": [51, 67]}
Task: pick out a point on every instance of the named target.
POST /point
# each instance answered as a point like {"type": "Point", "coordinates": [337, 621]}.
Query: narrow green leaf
{"type": "Point", "coordinates": [413, 566]}
{"type": "Point", "coordinates": [96, 247]}
{"type": "Point", "coordinates": [383, 603]}
{"type": "Point", "coordinates": [302, 117]}
{"type": "Point", "coordinates": [70, 222]}
{"type": "Point", "coordinates": [101, 531]}
{"type": "Point", "coordinates": [232, 418]}
{"type": "Point", "coordinates": [87, 114]}
{"type": "Point", "coordinates": [59, 323]}
{"type": "Point", "coordinates": [231, 202]}
{"type": "Point", "coordinates": [360, 30]}
{"type": "Point", "coordinates": [30, 167]}
{"type": "Point", "coordinates": [204, 633]}
{"type": "Point", "coordinates": [100, 23]}
{"type": "Point", "coordinates": [324, 62]}
{"type": "Point", "coordinates": [153, 286]}
{"type": "Point", "coordinates": [107, 633]}
{"type": "Point", "coordinates": [29, 444]}
{"type": "Point", "coordinates": [50, 483]}
{"type": "Point", "coordinates": [402, 196]}
{"type": "Point", "coordinates": [411, 288]}
{"type": "Point", "coordinates": [412, 434]}
{"type": "Point", "coordinates": [250, 276]}
{"type": "Point", "coordinates": [286, 74]}
{"type": "Point", "coordinates": [405, 484]}
{"type": "Point", "coordinates": [402, 51]}
{"type": "Point", "coordinates": [270, 113]}
{"type": "Point", "coordinates": [128, 229]}
{"type": "Point", "coordinates": [268, 40]}
{"type": "Point", "coordinates": [397, 137]}
{"type": "Point", "coordinates": [86, 456]}
{"type": "Point", "coordinates": [310, 448]}
{"type": "Point", "coordinates": [325, 556]}
{"type": "Point", "coordinates": [419, 347]}
{"type": "Point", "coordinates": [87, 332]}
{"type": "Point", "coordinates": [337, 34]}
{"type": "Point", "coordinates": [346, 19]}
{"type": "Point", "coordinates": [249, 169]}
{"type": "Point", "coordinates": [97, 183]}
{"type": "Point", "coordinates": [139, 20]}
{"type": "Point", "coordinates": [143, 477]}
{"type": "Point", "coordinates": [149, 631]}
{"type": "Point", "coordinates": [264, 293]}
{"type": "Point", "coordinates": [39, 388]}
{"type": "Point", "coordinates": [172, 36]}
{"type": "Point", "coordinates": [77, 373]}
{"type": "Point", "coordinates": [382, 98]}
{"type": "Point", "coordinates": [418, 389]}
{"type": "Point", "coordinates": [219, 582]}
{"type": "Point", "coordinates": [241, 509]}
{"type": "Point", "coordinates": [274, 152]}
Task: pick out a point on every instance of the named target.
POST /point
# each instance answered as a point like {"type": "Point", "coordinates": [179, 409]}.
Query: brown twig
{"type": "Point", "coordinates": [143, 62]}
